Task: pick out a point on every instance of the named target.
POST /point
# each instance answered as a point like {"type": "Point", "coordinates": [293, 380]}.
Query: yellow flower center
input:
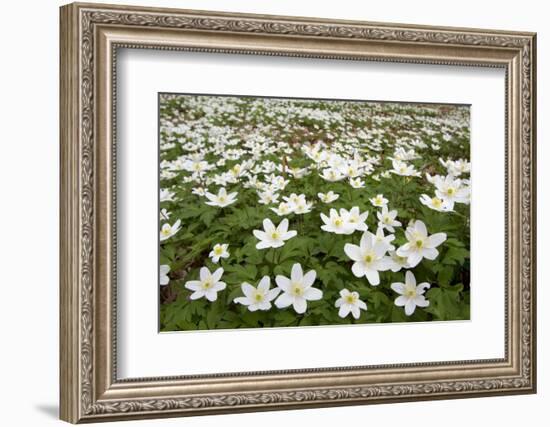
{"type": "Point", "coordinates": [410, 292]}
{"type": "Point", "coordinates": [368, 258]}
{"type": "Point", "coordinates": [297, 289]}
{"type": "Point", "coordinates": [218, 250]}
{"type": "Point", "coordinates": [419, 243]}
{"type": "Point", "coordinates": [222, 199]}
{"type": "Point", "coordinates": [436, 202]}
{"type": "Point", "coordinates": [451, 191]}
{"type": "Point", "coordinates": [275, 235]}
{"type": "Point", "coordinates": [351, 299]}
{"type": "Point", "coordinates": [386, 219]}
{"type": "Point", "coordinates": [207, 284]}
{"type": "Point", "coordinates": [259, 297]}
{"type": "Point", "coordinates": [165, 231]}
{"type": "Point", "coordinates": [338, 222]}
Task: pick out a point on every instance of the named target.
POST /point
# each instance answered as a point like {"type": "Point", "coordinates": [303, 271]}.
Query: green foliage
{"type": "Point", "coordinates": [202, 225]}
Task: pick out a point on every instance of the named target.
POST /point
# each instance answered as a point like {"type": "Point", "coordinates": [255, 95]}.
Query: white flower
{"type": "Point", "coordinates": [302, 207]}
{"type": "Point", "coordinates": [166, 195]}
{"type": "Point", "coordinates": [164, 214]}
{"type": "Point", "coordinates": [208, 286]}
{"type": "Point", "coordinates": [456, 168]}
{"type": "Point", "coordinates": [219, 251]}
{"type": "Point", "coordinates": [283, 209]}
{"type": "Point", "coordinates": [222, 199]}
{"type": "Point", "coordinates": [168, 230]}
{"type": "Point", "coordinates": [297, 290]}
{"type": "Point", "coordinates": [420, 245]}
{"type": "Point", "coordinates": [332, 175]}
{"type": "Point", "coordinates": [356, 183]}
{"type": "Point", "coordinates": [196, 166]}
{"type": "Point", "coordinates": [258, 298]}
{"type": "Point", "coordinates": [386, 219]}
{"type": "Point", "coordinates": [451, 190]}
{"type": "Point", "coordinates": [328, 197]}
{"type": "Point", "coordinates": [379, 237]}
{"type": "Point", "coordinates": [459, 167]}
{"type": "Point", "coordinates": [163, 274]}
{"type": "Point", "coordinates": [349, 302]}
{"type": "Point", "coordinates": [355, 218]}
{"type": "Point", "coordinates": [199, 191]}
{"type": "Point", "coordinates": [401, 154]}
{"type": "Point", "coordinates": [299, 173]}
{"type": "Point", "coordinates": [379, 200]}
{"type": "Point", "coordinates": [435, 203]}
{"type": "Point", "coordinates": [336, 223]}
{"type": "Point", "coordinates": [410, 295]}
{"type": "Point", "coordinates": [401, 168]}
{"type": "Point", "coordinates": [273, 237]}
{"type": "Point", "coordinates": [268, 197]}
{"type": "Point", "coordinates": [368, 257]}
{"type": "Point", "coordinates": [298, 203]}
{"type": "Point", "coordinates": [294, 199]}
{"type": "Point", "coordinates": [237, 170]}
{"type": "Point", "coordinates": [397, 262]}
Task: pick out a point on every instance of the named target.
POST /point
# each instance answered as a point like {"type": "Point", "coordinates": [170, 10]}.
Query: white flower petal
{"type": "Point", "coordinates": [217, 275]}
{"type": "Point", "coordinates": [358, 269]}
{"type": "Point", "coordinates": [344, 310]}
{"type": "Point", "coordinates": [352, 251]}
{"type": "Point", "coordinates": [435, 240]}
{"type": "Point", "coordinates": [284, 300]}
{"type": "Point", "coordinates": [421, 227]}
{"type": "Point", "coordinates": [283, 282]}
{"type": "Point", "coordinates": [289, 234]}
{"type": "Point", "coordinates": [398, 287]}
{"type": "Point", "coordinates": [413, 259]}
{"type": "Point", "coordinates": [401, 301]}
{"type": "Point", "coordinates": [204, 273]}
{"type": "Point", "coordinates": [409, 307]}
{"type": "Point", "coordinates": [196, 295]}
{"type": "Point", "coordinates": [410, 279]}
{"type": "Point", "coordinates": [373, 277]}
{"type": "Point", "coordinates": [248, 289]}
{"type": "Point", "coordinates": [430, 253]}
{"type": "Point", "coordinates": [313, 294]}
{"type": "Point", "coordinates": [268, 226]}
{"type": "Point", "coordinates": [299, 305]}
{"type": "Point", "coordinates": [264, 284]}
{"type": "Point", "coordinates": [296, 274]}
{"type": "Point", "coordinates": [309, 278]}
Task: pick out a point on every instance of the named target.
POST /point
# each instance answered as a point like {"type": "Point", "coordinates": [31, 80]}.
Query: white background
{"type": "Point", "coordinates": [29, 171]}
{"type": "Point", "coordinates": [141, 346]}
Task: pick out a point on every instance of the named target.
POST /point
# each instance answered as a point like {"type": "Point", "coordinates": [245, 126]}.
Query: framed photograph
{"type": "Point", "coordinates": [266, 212]}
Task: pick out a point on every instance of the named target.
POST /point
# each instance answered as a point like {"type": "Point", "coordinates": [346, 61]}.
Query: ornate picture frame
{"type": "Point", "coordinates": [90, 37]}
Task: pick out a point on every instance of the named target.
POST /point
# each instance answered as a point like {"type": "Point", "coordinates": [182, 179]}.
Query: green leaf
{"type": "Point", "coordinates": [445, 275]}
{"type": "Point", "coordinates": [447, 304]}
{"type": "Point", "coordinates": [208, 216]}
{"type": "Point", "coordinates": [456, 255]}
{"type": "Point", "coordinates": [285, 317]}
